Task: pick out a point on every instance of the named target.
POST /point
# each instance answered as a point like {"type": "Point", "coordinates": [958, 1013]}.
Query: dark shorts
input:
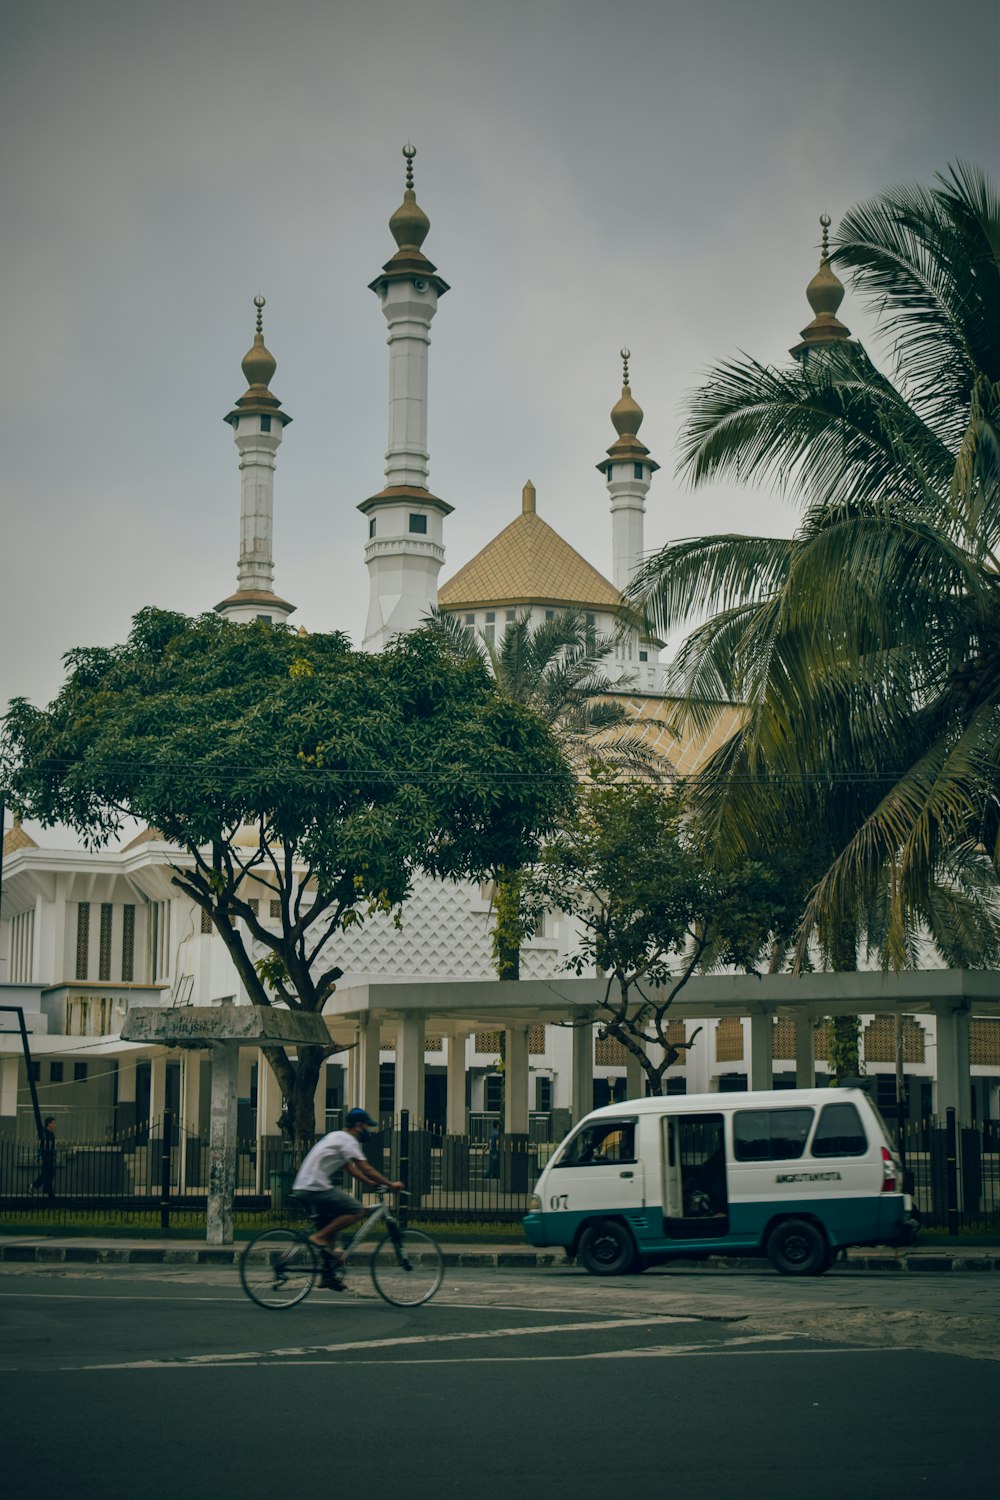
{"type": "Point", "coordinates": [328, 1203]}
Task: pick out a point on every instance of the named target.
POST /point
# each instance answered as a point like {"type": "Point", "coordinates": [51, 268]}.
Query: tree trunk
{"type": "Point", "coordinates": [508, 930]}
{"type": "Point", "coordinates": [844, 1053]}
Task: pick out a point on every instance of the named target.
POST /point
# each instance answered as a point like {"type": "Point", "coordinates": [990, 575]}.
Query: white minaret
{"type": "Point", "coordinates": [628, 470]}
{"type": "Point", "coordinates": [405, 547]}
{"type": "Point", "coordinates": [257, 424]}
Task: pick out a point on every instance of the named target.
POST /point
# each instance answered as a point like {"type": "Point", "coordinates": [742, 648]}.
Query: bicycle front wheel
{"type": "Point", "coordinates": [278, 1268]}
{"type": "Point", "coordinates": [408, 1270]}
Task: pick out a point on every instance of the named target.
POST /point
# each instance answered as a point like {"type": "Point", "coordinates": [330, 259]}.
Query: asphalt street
{"type": "Point", "coordinates": [118, 1381]}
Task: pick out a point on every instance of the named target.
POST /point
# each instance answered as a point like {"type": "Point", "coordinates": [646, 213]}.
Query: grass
{"type": "Point", "coordinates": [186, 1226]}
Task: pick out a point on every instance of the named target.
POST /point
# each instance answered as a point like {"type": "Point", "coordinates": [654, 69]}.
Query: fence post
{"type": "Point", "coordinates": [404, 1158]}
{"type": "Point", "coordinates": [168, 1123]}
{"type": "Point", "coordinates": [952, 1171]}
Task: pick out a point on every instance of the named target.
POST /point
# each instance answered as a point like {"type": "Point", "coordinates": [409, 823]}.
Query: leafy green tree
{"type": "Point", "coordinates": [295, 767]}
{"type": "Point", "coordinates": [651, 906]}
{"type": "Point", "coordinates": [555, 669]}
{"type": "Point", "coordinates": [865, 650]}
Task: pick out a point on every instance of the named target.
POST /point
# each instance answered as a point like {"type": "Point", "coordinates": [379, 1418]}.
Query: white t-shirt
{"type": "Point", "coordinates": [325, 1160]}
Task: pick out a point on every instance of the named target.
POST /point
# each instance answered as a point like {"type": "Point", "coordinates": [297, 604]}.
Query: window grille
{"type": "Point", "coordinates": [82, 939]}
{"type": "Point", "coordinates": [104, 949]}
{"type": "Point", "coordinates": [128, 944]}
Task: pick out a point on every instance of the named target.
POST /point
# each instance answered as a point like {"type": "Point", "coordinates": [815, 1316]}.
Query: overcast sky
{"type": "Point", "coordinates": [642, 173]}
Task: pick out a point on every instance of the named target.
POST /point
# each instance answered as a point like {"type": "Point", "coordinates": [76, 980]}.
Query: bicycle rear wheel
{"type": "Point", "coordinates": [279, 1268]}
{"type": "Point", "coordinates": [407, 1269]}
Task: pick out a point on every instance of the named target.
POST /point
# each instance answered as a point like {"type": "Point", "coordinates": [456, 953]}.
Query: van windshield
{"type": "Point", "coordinates": [600, 1141]}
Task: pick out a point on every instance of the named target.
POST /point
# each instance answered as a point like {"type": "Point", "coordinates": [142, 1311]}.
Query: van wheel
{"type": "Point", "coordinates": [798, 1248]}
{"type": "Point", "coordinates": [606, 1248]}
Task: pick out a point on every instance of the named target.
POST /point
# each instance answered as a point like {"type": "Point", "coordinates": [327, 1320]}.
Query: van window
{"type": "Point", "coordinates": [839, 1132]}
{"type": "Point", "coordinates": [771, 1134]}
{"type": "Point", "coordinates": [602, 1141]}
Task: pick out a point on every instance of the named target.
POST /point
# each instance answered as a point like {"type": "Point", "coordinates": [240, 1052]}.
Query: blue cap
{"type": "Point", "coordinates": [360, 1117]}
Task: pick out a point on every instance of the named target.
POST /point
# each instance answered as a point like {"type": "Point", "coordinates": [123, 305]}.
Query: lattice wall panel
{"type": "Point", "coordinates": [729, 1040]}
{"type": "Point", "coordinates": [880, 1040]}
{"type": "Point", "coordinates": [536, 1040]}
{"type": "Point", "coordinates": [984, 1043]}
{"type": "Point", "coordinates": [609, 1052]}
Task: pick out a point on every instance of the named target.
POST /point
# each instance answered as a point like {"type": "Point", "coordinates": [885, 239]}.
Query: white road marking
{"type": "Point", "coordinates": [667, 1351]}
{"type": "Point", "coordinates": [194, 1360]}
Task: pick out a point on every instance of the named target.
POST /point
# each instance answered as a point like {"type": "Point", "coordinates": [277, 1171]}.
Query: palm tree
{"type": "Point", "coordinates": [555, 670]}
{"type": "Point", "coordinates": [865, 649]}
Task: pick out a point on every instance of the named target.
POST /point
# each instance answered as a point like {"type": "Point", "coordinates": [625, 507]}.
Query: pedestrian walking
{"type": "Point", "coordinates": [46, 1157]}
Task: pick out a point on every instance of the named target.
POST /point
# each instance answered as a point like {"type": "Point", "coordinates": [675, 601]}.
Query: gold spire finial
{"type": "Point", "coordinates": [626, 355]}
{"type": "Point", "coordinates": [824, 220]}
{"type": "Point", "coordinates": [409, 224]}
{"type": "Point", "coordinates": [259, 363]}
{"type": "Point", "coordinates": [626, 414]}
{"type": "Point", "coordinates": [824, 293]}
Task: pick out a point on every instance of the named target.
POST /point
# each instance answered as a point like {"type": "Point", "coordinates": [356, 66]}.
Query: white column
{"type": "Point", "coordinates": [257, 449]}
{"type": "Point", "coordinates": [9, 1072]}
{"type": "Point", "coordinates": [628, 497]}
{"type": "Point", "coordinates": [953, 1085]}
{"type": "Point", "coordinates": [410, 1066]}
{"type": "Point", "coordinates": [190, 1107]}
{"type": "Point", "coordinates": [805, 1046]}
{"type": "Point", "coordinates": [157, 1088]}
{"type": "Point", "coordinates": [456, 1117]}
{"type": "Point", "coordinates": [366, 1074]}
{"type": "Point", "coordinates": [582, 1096]}
{"type": "Point", "coordinates": [761, 1050]}
{"type": "Point", "coordinates": [408, 310]}
{"type": "Point", "coordinates": [634, 1077]}
{"type": "Point", "coordinates": [319, 1101]}
{"type": "Point", "coordinates": [269, 1104]}
{"type": "Point", "coordinates": [516, 1081]}
{"type": "Point", "coordinates": [222, 1145]}
{"type": "Point", "coordinates": [191, 1091]}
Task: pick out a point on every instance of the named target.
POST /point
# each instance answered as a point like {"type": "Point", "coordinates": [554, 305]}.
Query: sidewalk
{"type": "Point", "coordinates": [84, 1250]}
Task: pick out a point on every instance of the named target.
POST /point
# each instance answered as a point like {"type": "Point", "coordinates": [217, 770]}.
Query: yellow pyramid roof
{"type": "Point", "coordinates": [16, 838]}
{"type": "Point", "coordinates": [529, 563]}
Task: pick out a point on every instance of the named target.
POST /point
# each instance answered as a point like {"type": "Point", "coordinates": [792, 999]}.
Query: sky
{"type": "Point", "coordinates": [649, 173]}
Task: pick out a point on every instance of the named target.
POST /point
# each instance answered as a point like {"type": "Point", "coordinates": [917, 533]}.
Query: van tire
{"type": "Point", "coordinates": [606, 1248]}
{"type": "Point", "coordinates": [796, 1247]}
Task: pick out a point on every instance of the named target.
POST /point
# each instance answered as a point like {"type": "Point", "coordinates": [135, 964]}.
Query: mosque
{"type": "Point", "coordinates": [84, 936]}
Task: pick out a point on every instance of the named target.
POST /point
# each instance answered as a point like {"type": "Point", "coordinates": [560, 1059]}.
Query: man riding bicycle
{"type": "Point", "coordinates": [334, 1208]}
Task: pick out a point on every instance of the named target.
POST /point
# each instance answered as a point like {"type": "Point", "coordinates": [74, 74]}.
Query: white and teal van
{"type": "Point", "coordinates": [794, 1175]}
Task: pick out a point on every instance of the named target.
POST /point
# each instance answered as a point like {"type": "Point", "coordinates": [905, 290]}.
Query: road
{"type": "Point", "coordinates": [164, 1381]}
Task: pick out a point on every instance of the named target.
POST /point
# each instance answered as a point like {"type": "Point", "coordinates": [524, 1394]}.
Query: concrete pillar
{"type": "Point", "coordinates": [410, 1066]}
{"type": "Point", "coordinates": [456, 1117]}
{"type": "Point", "coordinates": [582, 1091]}
{"type": "Point", "coordinates": [805, 1047]}
{"type": "Point", "coordinates": [157, 1088]}
{"type": "Point", "coordinates": [635, 1078]}
{"type": "Point", "coordinates": [9, 1073]}
{"type": "Point", "coordinates": [515, 1092]}
{"type": "Point", "coordinates": [222, 1144]}
{"type": "Point", "coordinates": [366, 1080]}
{"type": "Point", "coordinates": [761, 1050]}
{"type": "Point", "coordinates": [953, 1082]}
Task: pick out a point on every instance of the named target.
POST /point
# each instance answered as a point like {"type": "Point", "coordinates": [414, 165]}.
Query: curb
{"type": "Point", "coordinates": [226, 1255]}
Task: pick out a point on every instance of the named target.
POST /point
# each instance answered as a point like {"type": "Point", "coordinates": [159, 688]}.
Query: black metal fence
{"type": "Point", "coordinates": [157, 1176]}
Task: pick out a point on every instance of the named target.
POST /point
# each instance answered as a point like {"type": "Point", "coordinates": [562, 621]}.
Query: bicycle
{"type": "Point", "coordinates": [280, 1267]}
